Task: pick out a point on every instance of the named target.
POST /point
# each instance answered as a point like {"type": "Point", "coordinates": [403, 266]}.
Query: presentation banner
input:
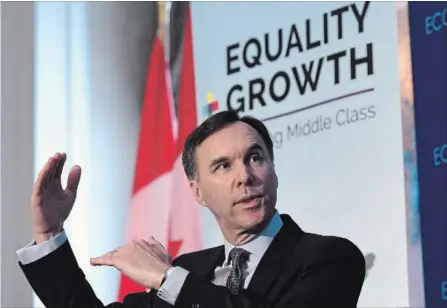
{"type": "Point", "coordinates": [325, 77]}
{"type": "Point", "coordinates": [428, 25]}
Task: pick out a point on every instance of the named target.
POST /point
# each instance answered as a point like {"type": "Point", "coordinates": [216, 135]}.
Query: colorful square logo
{"type": "Point", "coordinates": [211, 106]}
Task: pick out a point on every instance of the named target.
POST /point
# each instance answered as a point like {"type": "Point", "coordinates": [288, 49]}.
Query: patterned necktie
{"type": "Point", "coordinates": [238, 257]}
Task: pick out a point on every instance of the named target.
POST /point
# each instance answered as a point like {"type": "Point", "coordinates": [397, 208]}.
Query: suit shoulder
{"type": "Point", "coordinates": [325, 246]}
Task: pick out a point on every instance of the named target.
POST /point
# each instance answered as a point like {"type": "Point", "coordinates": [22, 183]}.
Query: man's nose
{"type": "Point", "coordinates": [245, 175]}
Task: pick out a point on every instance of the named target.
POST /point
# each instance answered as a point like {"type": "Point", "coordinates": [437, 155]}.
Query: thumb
{"type": "Point", "coordinates": [73, 179]}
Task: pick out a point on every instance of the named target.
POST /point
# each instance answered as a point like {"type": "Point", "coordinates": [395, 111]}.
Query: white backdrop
{"type": "Point", "coordinates": [347, 177]}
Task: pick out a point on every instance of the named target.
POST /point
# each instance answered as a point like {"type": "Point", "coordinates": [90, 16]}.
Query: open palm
{"type": "Point", "coordinates": [51, 203]}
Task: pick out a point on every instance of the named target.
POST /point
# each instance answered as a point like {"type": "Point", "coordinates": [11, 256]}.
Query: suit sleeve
{"type": "Point", "coordinates": [59, 282]}
{"type": "Point", "coordinates": [333, 282]}
{"type": "Point", "coordinates": [33, 252]}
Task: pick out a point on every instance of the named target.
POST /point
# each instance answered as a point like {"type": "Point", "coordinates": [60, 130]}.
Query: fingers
{"type": "Point", "coordinates": [39, 185]}
{"type": "Point", "coordinates": [156, 244]}
{"type": "Point", "coordinates": [111, 258]}
{"type": "Point", "coordinates": [51, 175]}
{"type": "Point", "coordinates": [50, 172]}
{"type": "Point", "coordinates": [42, 178]}
{"type": "Point", "coordinates": [60, 166]}
{"type": "Point", "coordinates": [73, 179]}
{"type": "Point", "coordinates": [143, 244]}
{"type": "Point", "coordinates": [107, 259]}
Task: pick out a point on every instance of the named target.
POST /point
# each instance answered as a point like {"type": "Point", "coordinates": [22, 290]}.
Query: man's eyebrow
{"type": "Point", "coordinates": [218, 161]}
{"type": "Point", "coordinates": [255, 147]}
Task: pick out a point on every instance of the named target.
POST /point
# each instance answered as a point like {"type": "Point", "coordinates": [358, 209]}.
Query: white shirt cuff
{"type": "Point", "coordinates": [170, 289]}
{"type": "Point", "coordinates": [32, 252]}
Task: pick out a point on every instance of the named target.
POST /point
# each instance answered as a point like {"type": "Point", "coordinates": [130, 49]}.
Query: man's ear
{"type": "Point", "coordinates": [277, 181]}
{"type": "Point", "coordinates": [194, 185]}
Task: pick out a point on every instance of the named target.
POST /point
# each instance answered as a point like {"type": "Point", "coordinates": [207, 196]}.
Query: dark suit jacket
{"type": "Point", "coordinates": [299, 270]}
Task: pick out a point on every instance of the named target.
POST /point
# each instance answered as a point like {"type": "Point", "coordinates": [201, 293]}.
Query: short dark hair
{"type": "Point", "coordinates": [212, 125]}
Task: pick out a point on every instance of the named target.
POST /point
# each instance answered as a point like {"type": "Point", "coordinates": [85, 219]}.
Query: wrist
{"type": "Point", "coordinates": [162, 278]}
{"type": "Point", "coordinates": [41, 237]}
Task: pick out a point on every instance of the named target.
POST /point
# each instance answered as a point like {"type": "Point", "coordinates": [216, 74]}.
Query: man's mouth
{"type": "Point", "coordinates": [249, 199]}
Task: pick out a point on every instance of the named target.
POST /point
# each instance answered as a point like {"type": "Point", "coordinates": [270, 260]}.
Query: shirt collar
{"type": "Point", "coordinates": [258, 246]}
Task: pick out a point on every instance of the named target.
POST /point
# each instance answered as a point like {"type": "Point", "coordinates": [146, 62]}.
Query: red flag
{"type": "Point", "coordinates": [151, 198]}
{"type": "Point", "coordinates": [162, 203]}
{"type": "Point", "coordinates": [185, 227]}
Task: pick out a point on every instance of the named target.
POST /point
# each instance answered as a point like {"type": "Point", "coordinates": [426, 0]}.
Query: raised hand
{"type": "Point", "coordinates": [51, 203]}
{"type": "Point", "coordinates": [145, 262]}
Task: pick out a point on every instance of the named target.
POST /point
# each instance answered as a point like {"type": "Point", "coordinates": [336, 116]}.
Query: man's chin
{"type": "Point", "coordinates": [253, 217]}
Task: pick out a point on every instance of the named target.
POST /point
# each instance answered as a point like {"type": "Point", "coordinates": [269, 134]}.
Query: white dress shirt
{"type": "Point", "coordinates": [176, 276]}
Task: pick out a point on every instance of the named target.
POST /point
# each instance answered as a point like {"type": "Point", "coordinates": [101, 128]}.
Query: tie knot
{"type": "Point", "coordinates": [239, 256]}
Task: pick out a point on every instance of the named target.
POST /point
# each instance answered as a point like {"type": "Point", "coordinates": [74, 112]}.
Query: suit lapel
{"type": "Point", "coordinates": [272, 262]}
{"type": "Point", "coordinates": [207, 261]}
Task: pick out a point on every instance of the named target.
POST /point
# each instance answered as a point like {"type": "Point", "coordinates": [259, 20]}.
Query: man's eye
{"type": "Point", "coordinates": [223, 166]}
{"type": "Point", "coordinates": [256, 158]}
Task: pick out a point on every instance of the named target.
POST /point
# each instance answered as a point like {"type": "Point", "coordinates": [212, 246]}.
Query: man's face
{"type": "Point", "coordinates": [233, 164]}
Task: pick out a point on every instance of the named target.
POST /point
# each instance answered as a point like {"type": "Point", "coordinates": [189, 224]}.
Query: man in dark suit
{"type": "Point", "coordinates": [266, 260]}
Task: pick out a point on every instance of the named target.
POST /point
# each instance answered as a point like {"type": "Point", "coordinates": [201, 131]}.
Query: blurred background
{"type": "Point", "coordinates": [119, 85]}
